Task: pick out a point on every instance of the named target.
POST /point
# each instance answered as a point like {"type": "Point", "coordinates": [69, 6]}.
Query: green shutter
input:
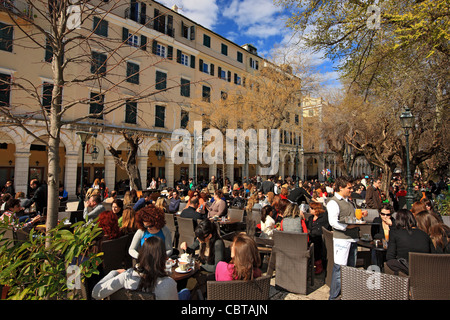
{"type": "Point", "coordinates": [124, 34]}
{"type": "Point", "coordinates": [154, 46]}
{"type": "Point", "coordinates": [143, 42]}
{"type": "Point", "coordinates": [178, 56]}
{"type": "Point", "coordinates": [192, 62]}
{"type": "Point", "coordinates": [169, 52]}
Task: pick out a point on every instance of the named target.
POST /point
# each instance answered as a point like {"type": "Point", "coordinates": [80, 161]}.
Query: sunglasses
{"type": "Point", "coordinates": [149, 226]}
{"type": "Point", "coordinates": [386, 214]}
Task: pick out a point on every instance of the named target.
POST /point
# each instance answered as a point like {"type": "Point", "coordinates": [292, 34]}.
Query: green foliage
{"type": "Point", "coordinates": [34, 271]}
{"type": "Point", "coordinates": [443, 204]}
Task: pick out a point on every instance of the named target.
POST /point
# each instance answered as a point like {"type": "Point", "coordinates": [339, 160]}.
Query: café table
{"type": "Point", "coordinates": [380, 250]}
{"type": "Point", "coordinates": [182, 277]}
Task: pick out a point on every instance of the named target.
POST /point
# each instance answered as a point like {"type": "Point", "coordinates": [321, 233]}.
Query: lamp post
{"type": "Point", "coordinates": [407, 123]}
{"type": "Point", "coordinates": [83, 138]}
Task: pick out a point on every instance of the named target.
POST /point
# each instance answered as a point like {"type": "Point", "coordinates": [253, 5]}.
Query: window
{"type": "Point", "coordinates": [47, 89]}
{"type": "Point", "coordinates": [163, 23]}
{"type": "Point", "coordinates": [185, 88]}
{"type": "Point", "coordinates": [132, 72]}
{"type": "Point", "coordinates": [240, 57]}
{"type": "Point", "coordinates": [237, 79]}
{"type": "Point", "coordinates": [138, 12]}
{"type": "Point", "coordinates": [224, 49]}
{"type": "Point", "coordinates": [131, 112]}
{"type": "Point", "coordinates": [223, 74]}
{"type": "Point", "coordinates": [96, 105]}
{"type": "Point", "coordinates": [296, 119]}
{"type": "Point", "coordinates": [184, 119]}
{"type": "Point", "coordinates": [98, 64]}
{"type": "Point", "coordinates": [187, 32]}
{"type": "Point", "coordinates": [253, 64]}
{"type": "Point", "coordinates": [6, 37]}
{"type": "Point", "coordinates": [161, 80]}
{"type": "Point", "coordinates": [206, 94]}
{"type": "Point", "coordinates": [5, 89]}
{"type": "Point", "coordinates": [100, 27]}
{"type": "Point", "coordinates": [205, 67]}
{"type": "Point", "coordinates": [207, 41]}
{"type": "Point", "coordinates": [184, 59]}
{"type": "Point", "coordinates": [160, 114]}
{"type": "Point", "coordinates": [161, 50]}
{"type": "Point", "coordinates": [133, 40]}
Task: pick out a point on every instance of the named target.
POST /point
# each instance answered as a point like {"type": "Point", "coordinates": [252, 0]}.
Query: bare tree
{"type": "Point", "coordinates": [70, 32]}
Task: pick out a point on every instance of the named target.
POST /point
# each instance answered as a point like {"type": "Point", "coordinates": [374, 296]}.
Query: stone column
{"type": "Point", "coordinates": [142, 165]}
{"type": "Point", "coordinates": [230, 173]}
{"type": "Point", "coordinates": [281, 170]}
{"type": "Point", "coordinates": [21, 171]}
{"type": "Point", "coordinates": [320, 168]}
{"type": "Point", "coordinates": [70, 175]}
{"type": "Point", "coordinates": [110, 172]}
{"type": "Point", "coordinates": [170, 172]}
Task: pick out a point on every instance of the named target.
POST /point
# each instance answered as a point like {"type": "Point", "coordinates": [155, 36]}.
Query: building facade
{"type": "Point", "coordinates": [154, 64]}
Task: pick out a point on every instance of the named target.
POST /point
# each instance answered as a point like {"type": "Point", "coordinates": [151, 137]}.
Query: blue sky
{"type": "Point", "coordinates": [259, 22]}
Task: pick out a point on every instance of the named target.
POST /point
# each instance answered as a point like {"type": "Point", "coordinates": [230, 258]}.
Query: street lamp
{"type": "Point", "coordinates": [83, 138]}
{"type": "Point", "coordinates": [407, 120]}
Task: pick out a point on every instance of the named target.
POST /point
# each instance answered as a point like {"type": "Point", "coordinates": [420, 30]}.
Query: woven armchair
{"type": "Point", "coordinates": [429, 276]}
{"type": "Point", "coordinates": [293, 261]}
{"type": "Point", "coordinates": [115, 253]}
{"type": "Point", "coordinates": [327, 236]}
{"type": "Point", "coordinates": [257, 289]}
{"type": "Point", "coordinates": [360, 284]}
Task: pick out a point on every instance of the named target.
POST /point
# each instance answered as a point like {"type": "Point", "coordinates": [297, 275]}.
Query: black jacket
{"type": "Point", "coordinates": [299, 195]}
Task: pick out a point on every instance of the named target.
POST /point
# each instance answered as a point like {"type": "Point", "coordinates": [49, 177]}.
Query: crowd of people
{"type": "Point", "coordinates": [284, 204]}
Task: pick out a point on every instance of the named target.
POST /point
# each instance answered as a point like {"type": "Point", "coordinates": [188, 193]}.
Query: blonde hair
{"type": "Point", "coordinates": [293, 210]}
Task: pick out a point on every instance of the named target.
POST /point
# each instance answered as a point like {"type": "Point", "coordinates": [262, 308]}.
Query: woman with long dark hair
{"type": "Point", "coordinates": [148, 275]}
{"type": "Point", "coordinates": [210, 244]}
{"type": "Point", "coordinates": [403, 239]}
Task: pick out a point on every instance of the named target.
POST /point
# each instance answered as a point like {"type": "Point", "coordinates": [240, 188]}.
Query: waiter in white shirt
{"type": "Point", "coordinates": [345, 236]}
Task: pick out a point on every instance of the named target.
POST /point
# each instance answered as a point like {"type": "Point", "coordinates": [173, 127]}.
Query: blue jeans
{"type": "Point", "coordinates": [335, 288]}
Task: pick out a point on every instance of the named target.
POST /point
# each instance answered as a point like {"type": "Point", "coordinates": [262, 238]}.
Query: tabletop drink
{"type": "Point", "coordinates": [358, 214]}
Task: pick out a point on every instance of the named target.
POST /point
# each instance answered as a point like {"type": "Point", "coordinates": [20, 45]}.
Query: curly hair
{"type": "Point", "coordinates": [108, 221]}
{"type": "Point", "coordinates": [317, 206]}
{"type": "Point", "coordinates": [151, 214]}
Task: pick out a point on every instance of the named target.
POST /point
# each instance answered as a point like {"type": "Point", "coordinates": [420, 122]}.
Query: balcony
{"type": "Point", "coordinates": [150, 22]}
{"type": "Point", "coordinates": [22, 11]}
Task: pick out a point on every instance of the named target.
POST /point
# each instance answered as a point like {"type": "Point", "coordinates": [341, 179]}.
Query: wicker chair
{"type": "Point", "coordinates": [185, 230]}
{"type": "Point", "coordinates": [126, 294]}
{"type": "Point", "coordinates": [172, 225]}
{"type": "Point", "coordinates": [328, 241]}
{"type": "Point", "coordinates": [257, 289]}
{"type": "Point", "coordinates": [293, 261]}
{"type": "Point", "coordinates": [360, 284]}
{"type": "Point", "coordinates": [236, 214]}
{"type": "Point", "coordinates": [115, 253]}
{"type": "Point", "coordinates": [429, 276]}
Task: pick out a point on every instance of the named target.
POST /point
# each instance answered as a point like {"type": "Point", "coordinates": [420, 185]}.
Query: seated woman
{"type": "Point", "coordinates": [9, 216]}
{"type": "Point", "coordinates": [109, 223]}
{"type": "Point", "coordinates": [117, 207]}
{"type": "Point", "coordinates": [151, 222]}
{"type": "Point", "coordinates": [316, 221]}
{"type": "Point", "coordinates": [148, 275]}
{"type": "Point", "coordinates": [439, 232]}
{"type": "Point", "coordinates": [384, 223]}
{"type": "Point", "coordinates": [267, 222]}
{"type": "Point", "coordinates": [245, 261]}
{"type": "Point", "coordinates": [127, 222]}
{"type": "Point", "coordinates": [293, 219]}
{"type": "Point", "coordinates": [211, 245]}
{"type": "Point", "coordinates": [403, 239]}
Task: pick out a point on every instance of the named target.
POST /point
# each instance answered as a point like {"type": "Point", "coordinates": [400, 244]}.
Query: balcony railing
{"type": "Point", "coordinates": [149, 22]}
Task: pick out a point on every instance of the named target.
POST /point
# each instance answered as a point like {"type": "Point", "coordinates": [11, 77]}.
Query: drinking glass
{"type": "Point", "coordinates": [358, 214]}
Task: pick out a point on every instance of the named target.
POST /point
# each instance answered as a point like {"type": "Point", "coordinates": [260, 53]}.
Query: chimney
{"type": "Point", "coordinates": [175, 8]}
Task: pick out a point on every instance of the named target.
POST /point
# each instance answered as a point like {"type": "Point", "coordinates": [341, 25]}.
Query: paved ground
{"type": "Point", "coordinates": [320, 291]}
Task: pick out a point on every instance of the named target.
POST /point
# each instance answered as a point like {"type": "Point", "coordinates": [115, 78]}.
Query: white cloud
{"type": "Point", "coordinates": [204, 12]}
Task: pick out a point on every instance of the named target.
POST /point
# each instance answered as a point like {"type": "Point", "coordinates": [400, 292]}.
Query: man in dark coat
{"type": "Point", "coordinates": [373, 195]}
{"type": "Point", "coordinates": [267, 186]}
{"type": "Point", "coordinates": [299, 195]}
{"type": "Point", "coordinates": [39, 197]}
